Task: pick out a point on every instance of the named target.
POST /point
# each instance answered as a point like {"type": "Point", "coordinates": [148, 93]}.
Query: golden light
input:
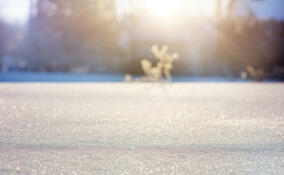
{"type": "Point", "coordinates": [171, 8]}
{"type": "Point", "coordinates": [163, 8]}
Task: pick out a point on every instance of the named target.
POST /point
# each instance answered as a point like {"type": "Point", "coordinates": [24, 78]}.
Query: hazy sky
{"type": "Point", "coordinates": [17, 10]}
{"type": "Point", "coordinates": [14, 10]}
{"type": "Point", "coordinates": [269, 8]}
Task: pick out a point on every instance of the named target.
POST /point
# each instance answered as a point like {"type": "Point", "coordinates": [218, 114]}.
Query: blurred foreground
{"type": "Point", "coordinates": [208, 128]}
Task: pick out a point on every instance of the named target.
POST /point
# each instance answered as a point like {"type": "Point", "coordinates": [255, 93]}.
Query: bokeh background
{"type": "Point", "coordinates": [214, 38]}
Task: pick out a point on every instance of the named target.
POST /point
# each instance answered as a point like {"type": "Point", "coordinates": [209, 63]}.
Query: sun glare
{"type": "Point", "coordinates": [170, 8]}
{"type": "Point", "coordinates": [163, 8]}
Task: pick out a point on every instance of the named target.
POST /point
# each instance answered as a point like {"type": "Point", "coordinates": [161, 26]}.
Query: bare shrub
{"type": "Point", "coordinates": [164, 64]}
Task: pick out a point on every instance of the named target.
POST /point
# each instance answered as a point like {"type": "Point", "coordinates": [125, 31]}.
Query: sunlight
{"type": "Point", "coordinates": [171, 8]}
{"type": "Point", "coordinates": [163, 8]}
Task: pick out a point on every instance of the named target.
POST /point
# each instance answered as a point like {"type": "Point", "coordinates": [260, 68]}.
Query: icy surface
{"type": "Point", "coordinates": [58, 77]}
{"type": "Point", "coordinates": [103, 78]}
{"type": "Point", "coordinates": [195, 128]}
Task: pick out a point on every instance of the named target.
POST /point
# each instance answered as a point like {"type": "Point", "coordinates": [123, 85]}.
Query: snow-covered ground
{"type": "Point", "coordinates": [140, 128]}
{"type": "Point", "coordinates": [58, 77]}
{"type": "Point", "coordinates": [102, 78]}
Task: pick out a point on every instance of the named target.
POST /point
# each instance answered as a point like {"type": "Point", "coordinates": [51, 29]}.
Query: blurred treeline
{"type": "Point", "coordinates": [89, 37]}
{"type": "Point", "coordinates": [246, 43]}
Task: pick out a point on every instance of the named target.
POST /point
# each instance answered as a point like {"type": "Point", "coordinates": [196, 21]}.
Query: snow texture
{"type": "Point", "coordinates": [140, 128]}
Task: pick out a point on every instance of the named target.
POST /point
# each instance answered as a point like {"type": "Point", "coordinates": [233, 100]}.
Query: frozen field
{"type": "Point", "coordinates": [120, 128]}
